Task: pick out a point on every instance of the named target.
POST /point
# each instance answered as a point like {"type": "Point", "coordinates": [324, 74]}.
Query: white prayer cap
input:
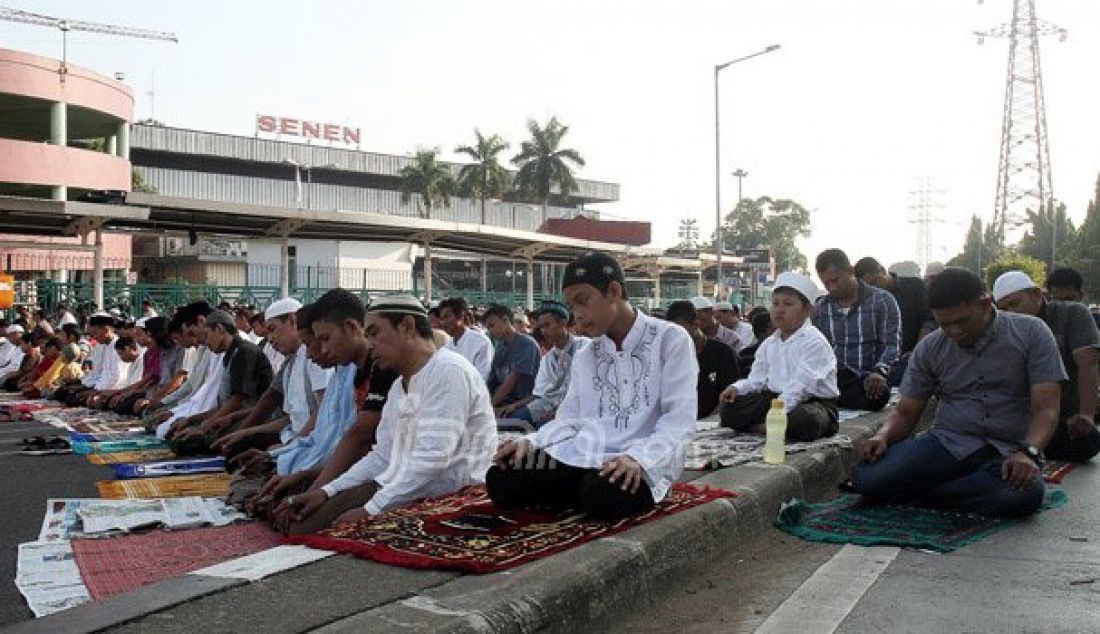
{"type": "Point", "coordinates": [282, 307]}
{"type": "Point", "coordinates": [1011, 282]}
{"type": "Point", "coordinates": [723, 306]}
{"type": "Point", "coordinates": [799, 283]}
{"type": "Point", "coordinates": [141, 322]}
{"type": "Point", "coordinates": [114, 312]}
{"type": "Point", "coordinates": [15, 328]}
{"type": "Point", "coordinates": [701, 303]}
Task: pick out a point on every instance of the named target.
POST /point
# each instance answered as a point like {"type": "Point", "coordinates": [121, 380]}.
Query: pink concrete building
{"type": "Point", "coordinates": [65, 135]}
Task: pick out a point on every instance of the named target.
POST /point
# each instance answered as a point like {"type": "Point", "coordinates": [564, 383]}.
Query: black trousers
{"type": "Point", "coordinates": [1062, 447]}
{"type": "Point", "coordinates": [854, 396]}
{"type": "Point", "coordinates": [816, 418]}
{"type": "Point", "coordinates": [543, 481]}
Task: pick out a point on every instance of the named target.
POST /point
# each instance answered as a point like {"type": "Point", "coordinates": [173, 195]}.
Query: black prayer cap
{"type": "Point", "coordinates": [595, 268]}
{"type": "Point", "coordinates": [102, 319]}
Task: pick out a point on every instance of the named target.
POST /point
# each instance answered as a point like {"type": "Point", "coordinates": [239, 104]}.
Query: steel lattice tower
{"type": "Point", "coordinates": [1023, 171]}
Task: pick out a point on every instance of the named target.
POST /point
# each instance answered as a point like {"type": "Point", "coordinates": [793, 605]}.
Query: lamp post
{"type": "Point", "coordinates": [718, 166]}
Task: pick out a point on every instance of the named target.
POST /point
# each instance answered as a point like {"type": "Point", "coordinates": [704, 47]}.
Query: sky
{"type": "Point", "coordinates": [864, 98]}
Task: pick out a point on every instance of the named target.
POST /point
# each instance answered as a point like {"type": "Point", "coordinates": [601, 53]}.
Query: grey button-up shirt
{"type": "Point", "coordinates": [985, 390]}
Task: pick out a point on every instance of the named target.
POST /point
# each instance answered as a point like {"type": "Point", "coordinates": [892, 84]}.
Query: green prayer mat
{"type": "Point", "coordinates": [846, 520]}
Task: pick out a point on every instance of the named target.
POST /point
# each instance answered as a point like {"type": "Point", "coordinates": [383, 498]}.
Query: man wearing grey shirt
{"type": "Point", "coordinates": [998, 378]}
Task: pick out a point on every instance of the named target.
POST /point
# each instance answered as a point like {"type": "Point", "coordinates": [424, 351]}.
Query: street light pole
{"type": "Point", "coordinates": [718, 167]}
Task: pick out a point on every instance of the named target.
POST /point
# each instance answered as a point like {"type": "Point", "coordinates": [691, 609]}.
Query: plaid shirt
{"type": "Point", "coordinates": [868, 337]}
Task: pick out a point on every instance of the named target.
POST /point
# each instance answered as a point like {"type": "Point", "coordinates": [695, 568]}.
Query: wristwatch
{"type": "Point", "coordinates": [1033, 452]}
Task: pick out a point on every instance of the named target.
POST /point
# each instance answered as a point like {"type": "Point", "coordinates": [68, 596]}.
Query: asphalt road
{"type": "Point", "coordinates": [27, 482]}
{"type": "Point", "coordinates": [1040, 576]}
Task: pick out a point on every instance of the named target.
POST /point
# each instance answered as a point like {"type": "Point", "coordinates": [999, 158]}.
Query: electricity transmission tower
{"type": "Point", "coordinates": [925, 206]}
{"type": "Point", "coordinates": [689, 233]}
{"type": "Point", "coordinates": [1023, 171]}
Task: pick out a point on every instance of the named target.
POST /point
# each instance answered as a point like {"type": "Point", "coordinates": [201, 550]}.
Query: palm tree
{"type": "Point", "coordinates": [431, 180]}
{"type": "Point", "coordinates": [485, 177]}
{"type": "Point", "coordinates": [543, 164]}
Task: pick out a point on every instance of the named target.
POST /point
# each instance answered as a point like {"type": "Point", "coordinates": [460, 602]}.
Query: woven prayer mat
{"type": "Point", "coordinates": [720, 447]}
{"type": "Point", "coordinates": [82, 448]}
{"type": "Point", "coordinates": [121, 564]}
{"type": "Point", "coordinates": [465, 531]}
{"type": "Point", "coordinates": [105, 436]}
{"type": "Point", "coordinates": [105, 427]}
{"type": "Point", "coordinates": [209, 485]}
{"type": "Point", "coordinates": [1054, 471]}
{"type": "Point", "coordinates": [124, 457]}
{"type": "Point", "coordinates": [847, 520]}
{"type": "Point", "coordinates": [164, 468]}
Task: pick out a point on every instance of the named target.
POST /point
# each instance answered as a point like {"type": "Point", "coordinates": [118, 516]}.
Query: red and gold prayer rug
{"type": "Point", "coordinates": [207, 485]}
{"type": "Point", "coordinates": [121, 564]}
{"type": "Point", "coordinates": [465, 531]}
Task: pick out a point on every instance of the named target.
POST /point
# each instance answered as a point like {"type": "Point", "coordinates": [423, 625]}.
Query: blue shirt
{"type": "Point", "coordinates": [984, 390]}
{"type": "Point", "coordinates": [519, 357]}
{"type": "Point", "coordinates": [865, 338]}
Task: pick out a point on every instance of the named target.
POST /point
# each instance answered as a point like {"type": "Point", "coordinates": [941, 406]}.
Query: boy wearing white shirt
{"type": "Point", "coordinates": [437, 432]}
{"type": "Point", "coordinates": [795, 364]}
{"type": "Point", "coordinates": [619, 437]}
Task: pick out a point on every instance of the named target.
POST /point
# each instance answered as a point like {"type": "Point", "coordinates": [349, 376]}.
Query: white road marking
{"type": "Point", "coordinates": [824, 600]}
{"type": "Point", "coordinates": [265, 563]}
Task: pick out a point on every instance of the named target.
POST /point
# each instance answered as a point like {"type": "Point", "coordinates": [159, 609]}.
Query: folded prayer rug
{"type": "Point", "coordinates": [105, 436]}
{"type": "Point", "coordinates": [848, 520]}
{"type": "Point", "coordinates": [123, 457]}
{"type": "Point", "coordinates": [121, 564]}
{"type": "Point", "coordinates": [83, 448]}
{"type": "Point", "coordinates": [720, 447]}
{"type": "Point", "coordinates": [101, 427]}
{"type": "Point", "coordinates": [1055, 470]}
{"type": "Point", "coordinates": [209, 485]}
{"type": "Point", "coordinates": [465, 531]}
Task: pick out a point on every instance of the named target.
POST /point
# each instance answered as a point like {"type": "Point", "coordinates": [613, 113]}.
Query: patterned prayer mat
{"type": "Point", "coordinates": [121, 564]}
{"type": "Point", "coordinates": [82, 448]}
{"type": "Point", "coordinates": [123, 457]}
{"type": "Point", "coordinates": [182, 466]}
{"type": "Point", "coordinates": [720, 447]}
{"type": "Point", "coordinates": [101, 427]}
{"type": "Point", "coordinates": [210, 485]}
{"type": "Point", "coordinates": [464, 531]}
{"type": "Point", "coordinates": [846, 520]}
{"type": "Point", "coordinates": [104, 436]}
{"type": "Point", "coordinates": [1055, 471]}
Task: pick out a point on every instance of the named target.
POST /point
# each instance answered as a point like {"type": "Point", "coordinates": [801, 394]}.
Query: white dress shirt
{"type": "Point", "coordinates": [639, 401]}
{"type": "Point", "coordinates": [112, 373]}
{"type": "Point", "coordinates": [432, 440]}
{"type": "Point", "coordinates": [744, 333]}
{"type": "Point", "coordinates": [300, 379]}
{"type": "Point", "coordinates": [478, 350]}
{"type": "Point", "coordinates": [11, 357]}
{"type": "Point", "coordinates": [799, 367]}
{"type": "Point", "coordinates": [204, 399]}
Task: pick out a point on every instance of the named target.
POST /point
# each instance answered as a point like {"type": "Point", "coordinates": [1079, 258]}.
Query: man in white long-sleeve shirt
{"type": "Point", "coordinates": [795, 364]}
{"type": "Point", "coordinates": [437, 433]}
{"type": "Point", "coordinates": [470, 343]}
{"type": "Point", "coordinates": [11, 354]}
{"type": "Point", "coordinates": [620, 436]}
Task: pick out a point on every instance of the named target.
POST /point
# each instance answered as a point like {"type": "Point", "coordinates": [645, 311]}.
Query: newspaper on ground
{"type": "Point", "coordinates": [92, 517]}
{"type": "Point", "coordinates": [48, 577]}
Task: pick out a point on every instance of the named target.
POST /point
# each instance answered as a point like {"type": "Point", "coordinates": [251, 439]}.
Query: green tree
{"type": "Point", "coordinates": [431, 181]}
{"type": "Point", "coordinates": [485, 177]}
{"type": "Point", "coordinates": [1087, 260]}
{"type": "Point", "coordinates": [770, 223]}
{"type": "Point", "coordinates": [1016, 261]}
{"type": "Point", "coordinates": [543, 164]}
{"type": "Point", "coordinates": [980, 248]}
{"type": "Point", "coordinates": [1040, 243]}
{"type": "Point", "coordinates": [138, 184]}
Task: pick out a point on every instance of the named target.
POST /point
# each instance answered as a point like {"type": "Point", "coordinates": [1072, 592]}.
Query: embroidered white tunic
{"type": "Point", "coordinates": [432, 440]}
{"type": "Point", "coordinates": [639, 401]}
{"type": "Point", "coordinates": [800, 367]}
{"type": "Point", "coordinates": [477, 348]}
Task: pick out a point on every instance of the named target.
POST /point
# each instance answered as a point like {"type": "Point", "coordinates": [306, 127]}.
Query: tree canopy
{"type": "Point", "coordinates": [431, 181]}
{"type": "Point", "coordinates": [543, 164]}
{"type": "Point", "coordinates": [770, 223]}
{"type": "Point", "coordinates": [485, 177]}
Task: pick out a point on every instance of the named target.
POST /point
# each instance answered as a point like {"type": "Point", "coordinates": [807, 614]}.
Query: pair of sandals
{"type": "Point", "coordinates": [40, 446]}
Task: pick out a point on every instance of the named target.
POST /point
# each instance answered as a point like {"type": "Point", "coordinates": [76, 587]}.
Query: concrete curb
{"type": "Point", "coordinates": [573, 591]}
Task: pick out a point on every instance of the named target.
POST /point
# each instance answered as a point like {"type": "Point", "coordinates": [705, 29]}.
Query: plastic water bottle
{"type": "Point", "coordinates": [775, 447]}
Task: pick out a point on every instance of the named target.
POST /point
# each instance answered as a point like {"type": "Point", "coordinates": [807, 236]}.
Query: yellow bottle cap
{"type": "Point", "coordinates": [777, 403]}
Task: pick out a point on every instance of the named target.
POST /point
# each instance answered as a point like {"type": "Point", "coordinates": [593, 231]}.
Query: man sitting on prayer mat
{"type": "Point", "coordinates": [65, 368]}
{"type": "Point", "coordinates": [468, 342]}
{"type": "Point", "coordinates": [247, 374]}
{"type": "Point", "coordinates": [997, 375]}
{"type": "Point", "coordinates": [106, 371]}
{"type": "Point", "coordinates": [552, 380]}
{"type": "Point", "coordinates": [1076, 439]}
{"type": "Point", "coordinates": [132, 355]}
{"type": "Point", "coordinates": [619, 438]}
{"type": "Point", "coordinates": [718, 366]}
{"type": "Point", "coordinates": [298, 388]}
{"type": "Point", "coordinates": [175, 359]}
{"type": "Point", "coordinates": [516, 361]}
{"type": "Point", "coordinates": [437, 433]}
{"type": "Point", "coordinates": [795, 364]}
{"type": "Point", "coordinates": [193, 334]}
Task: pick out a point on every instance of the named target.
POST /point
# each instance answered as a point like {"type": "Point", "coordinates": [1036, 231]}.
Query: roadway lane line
{"type": "Point", "coordinates": [824, 600]}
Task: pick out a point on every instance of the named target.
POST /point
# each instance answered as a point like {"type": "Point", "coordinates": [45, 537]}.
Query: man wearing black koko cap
{"type": "Point", "coordinates": [619, 438]}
